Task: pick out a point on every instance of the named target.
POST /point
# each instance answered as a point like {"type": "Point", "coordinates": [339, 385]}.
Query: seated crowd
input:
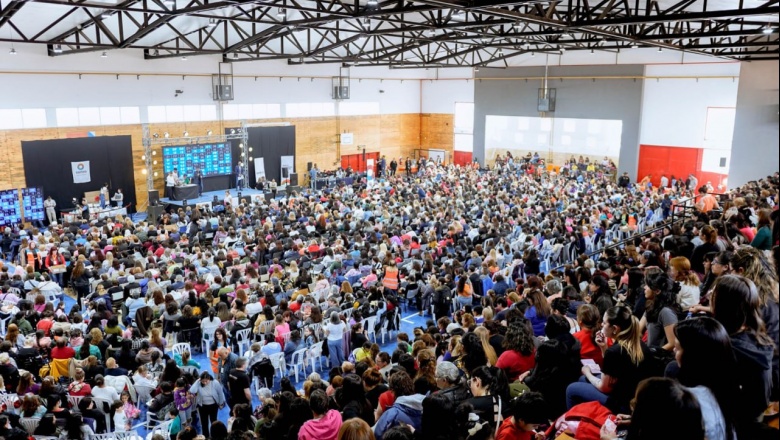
{"type": "Point", "coordinates": [672, 334]}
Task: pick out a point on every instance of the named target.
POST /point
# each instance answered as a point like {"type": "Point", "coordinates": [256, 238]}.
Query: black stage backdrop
{"type": "Point", "coordinates": [270, 143]}
{"type": "Point", "coordinates": [47, 165]}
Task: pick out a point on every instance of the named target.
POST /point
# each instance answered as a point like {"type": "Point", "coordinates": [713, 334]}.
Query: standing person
{"type": "Point", "coordinates": [239, 175]}
{"type": "Point", "coordinates": [313, 177]}
{"type": "Point", "coordinates": [197, 179]}
{"type": "Point", "coordinates": [226, 362]}
{"type": "Point", "coordinates": [238, 384]}
{"type": "Point", "coordinates": [408, 165]}
{"type": "Point", "coordinates": [51, 213]}
{"type": "Point", "coordinates": [664, 181]}
{"type": "Point", "coordinates": [104, 196]}
{"type": "Point", "coordinates": [54, 258]}
{"type": "Point", "coordinates": [393, 167]}
{"type": "Point", "coordinates": [119, 197]}
{"type": "Point", "coordinates": [170, 182]}
{"type": "Point", "coordinates": [209, 398]}
{"type": "Point", "coordinates": [334, 331]}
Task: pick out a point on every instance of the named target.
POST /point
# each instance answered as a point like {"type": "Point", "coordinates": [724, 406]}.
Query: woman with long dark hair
{"type": "Point", "coordinates": [625, 364]}
{"type": "Point", "coordinates": [489, 390]}
{"type": "Point", "coordinates": [551, 375]}
{"type": "Point", "coordinates": [473, 354]}
{"type": "Point", "coordinates": [600, 293]}
{"type": "Point", "coordinates": [706, 360]}
{"type": "Point", "coordinates": [662, 309]}
{"type": "Point", "coordinates": [352, 399]}
{"type": "Point", "coordinates": [664, 409]}
{"type": "Point", "coordinates": [735, 304]}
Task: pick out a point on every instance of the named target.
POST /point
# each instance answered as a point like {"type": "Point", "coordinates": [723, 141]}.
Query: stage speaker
{"type": "Point", "coordinates": [294, 178]}
{"type": "Point", "coordinates": [154, 197]}
{"type": "Point", "coordinates": [153, 212]}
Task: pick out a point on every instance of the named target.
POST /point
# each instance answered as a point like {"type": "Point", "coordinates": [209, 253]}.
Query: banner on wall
{"type": "Point", "coordinates": [259, 169]}
{"type": "Point", "coordinates": [288, 167]}
{"type": "Point", "coordinates": [80, 171]}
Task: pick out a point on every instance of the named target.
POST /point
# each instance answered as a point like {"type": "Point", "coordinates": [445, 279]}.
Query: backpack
{"type": "Point", "coordinates": [264, 370]}
{"type": "Point", "coordinates": [442, 297]}
{"type": "Point", "coordinates": [583, 421]}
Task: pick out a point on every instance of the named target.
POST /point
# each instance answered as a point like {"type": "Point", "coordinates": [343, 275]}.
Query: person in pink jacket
{"type": "Point", "coordinates": [326, 423]}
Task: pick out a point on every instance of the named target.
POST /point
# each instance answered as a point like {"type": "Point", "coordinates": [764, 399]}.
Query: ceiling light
{"type": "Point", "coordinates": [476, 68]}
{"type": "Point", "coordinates": [592, 51]}
{"type": "Point", "coordinates": [372, 3]}
{"type": "Point", "coordinates": [533, 54]}
{"type": "Point", "coordinates": [212, 22]}
{"type": "Point", "coordinates": [58, 48]}
{"type": "Point", "coordinates": [185, 133]}
{"type": "Point", "coordinates": [12, 51]}
{"type": "Point", "coordinates": [500, 51]}
{"type": "Point", "coordinates": [563, 49]}
{"type": "Point", "coordinates": [361, 38]}
{"type": "Point", "coordinates": [104, 54]}
{"type": "Point", "coordinates": [660, 49]}
{"type": "Point", "coordinates": [768, 29]}
{"type": "Point", "coordinates": [634, 45]}
{"type": "Point", "coordinates": [208, 132]}
{"type": "Point", "coordinates": [459, 15]}
{"type": "Point", "coordinates": [431, 32]}
{"type": "Point", "coordinates": [235, 55]}
{"type": "Point", "coordinates": [366, 23]}
{"type": "Point", "coordinates": [281, 14]}
{"type": "Point", "coordinates": [517, 25]}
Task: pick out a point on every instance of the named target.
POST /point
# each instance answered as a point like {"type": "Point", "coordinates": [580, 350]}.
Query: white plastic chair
{"type": "Point", "coordinates": [104, 406]}
{"type": "Point", "coordinates": [266, 327]}
{"type": "Point", "coordinates": [180, 347]}
{"type": "Point", "coordinates": [243, 340]}
{"type": "Point", "coordinates": [206, 339]}
{"type": "Point", "coordinates": [315, 355]}
{"type": "Point", "coordinates": [277, 360]}
{"type": "Point", "coordinates": [369, 325]}
{"type": "Point", "coordinates": [74, 401]}
{"type": "Point", "coordinates": [299, 360]}
{"type": "Point", "coordinates": [30, 424]}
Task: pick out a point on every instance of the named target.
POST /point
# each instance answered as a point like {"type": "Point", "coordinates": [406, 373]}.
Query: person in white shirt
{"type": "Point", "coordinates": [51, 213]}
{"type": "Point", "coordinates": [119, 197]}
{"type": "Point", "coordinates": [170, 182]}
{"type": "Point", "coordinates": [228, 198]}
{"type": "Point", "coordinates": [101, 391]}
{"type": "Point", "coordinates": [104, 195]}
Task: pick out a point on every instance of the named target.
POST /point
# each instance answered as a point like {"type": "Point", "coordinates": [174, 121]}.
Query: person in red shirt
{"type": "Point", "coordinates": [590, 323]}
{"type": "Point", "coordinates": [63, 350]}
{"type": "Point", "coordinates": [78, 387]}
{"type": "Point", "coordinates": [528, 412]}
{"type": "Point", "coordinates": [520, 353]}
{"type": "Point", "coordinates": [46, 323]}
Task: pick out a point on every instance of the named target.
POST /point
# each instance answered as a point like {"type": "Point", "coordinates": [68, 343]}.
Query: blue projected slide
{"type": "Point", "coordinates": [9, 207]}
{"type": "Point", "coordinates": [32, 201]}
{"type": "Point", "coordinates": [211, 159]}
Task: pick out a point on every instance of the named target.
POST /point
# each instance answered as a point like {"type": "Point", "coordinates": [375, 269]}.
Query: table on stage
{"type": "Point", "coordinates": [95, 212]}
{"type": "Point", "coordinates": [185, 192]}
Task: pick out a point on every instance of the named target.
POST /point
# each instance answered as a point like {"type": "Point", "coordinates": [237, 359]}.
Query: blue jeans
{"type": "Point", "coordinates": [336, 352]}
{"type": "Point", "coordinates": [102, 201]}
{"type": "Point", "coordinates": [583, 391]}
{"type": "Point", "coordinates": [465, 301]}
{"type": "Point", "coordinates": [57, 278]}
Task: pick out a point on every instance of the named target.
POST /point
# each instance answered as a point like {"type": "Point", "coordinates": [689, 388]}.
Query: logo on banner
{"type": "Point", "coordinates": [80, 171]}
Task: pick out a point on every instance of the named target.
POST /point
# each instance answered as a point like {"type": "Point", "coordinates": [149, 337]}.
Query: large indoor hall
{"type": "Point", "coordinates": [389, 220]}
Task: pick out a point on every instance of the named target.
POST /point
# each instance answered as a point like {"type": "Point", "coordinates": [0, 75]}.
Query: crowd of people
{"type": "Point", "coordinates": [668, 334]}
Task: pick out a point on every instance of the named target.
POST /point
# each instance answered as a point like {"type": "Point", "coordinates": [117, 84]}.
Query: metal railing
{"type": "Point", "coordinates": [673, 219]}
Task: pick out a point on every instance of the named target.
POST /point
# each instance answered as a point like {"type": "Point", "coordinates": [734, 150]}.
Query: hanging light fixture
{"type": "Point", "coordinates": [58, 48]}
{"type": "Point", "coordinates": [281, 14]}
{"type": "Point", "coordinates": [372, 3]}
{"type": "Point", "coordinates": [12, 51]}
{"type": "Point", "coordinates": [212, 22]}
{"type": "Point", "coordinates": [104, 54]}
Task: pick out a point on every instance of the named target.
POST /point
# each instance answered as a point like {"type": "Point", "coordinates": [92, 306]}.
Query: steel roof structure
{"type": "Point", "coordinates": [399, 34]}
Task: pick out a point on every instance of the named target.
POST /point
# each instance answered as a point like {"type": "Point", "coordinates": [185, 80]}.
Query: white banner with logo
{"type": "Point", "coordinates": [80, 171]}
{"type": "Point", "coordinates": [259, 169]}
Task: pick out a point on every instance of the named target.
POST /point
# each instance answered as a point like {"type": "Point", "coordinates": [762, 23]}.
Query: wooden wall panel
{"type": "Point", "coordinates": [317, 140]}
{"type": "Point", "coordinates": [437, 132]}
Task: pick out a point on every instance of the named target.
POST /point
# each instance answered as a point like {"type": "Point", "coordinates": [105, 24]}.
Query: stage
{"type": "Point", "coordinates": [208, 197]}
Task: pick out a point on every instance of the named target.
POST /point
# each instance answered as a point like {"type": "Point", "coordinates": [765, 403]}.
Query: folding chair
{"type": "Point", "coordinates": [299, 360]}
